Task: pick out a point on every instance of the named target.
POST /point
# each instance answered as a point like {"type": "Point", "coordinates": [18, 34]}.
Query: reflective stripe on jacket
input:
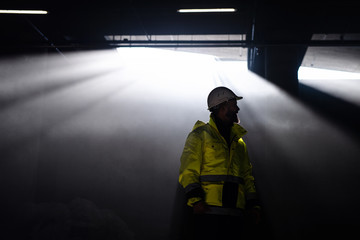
{"type": "Point", "coordinates": [207, 162]}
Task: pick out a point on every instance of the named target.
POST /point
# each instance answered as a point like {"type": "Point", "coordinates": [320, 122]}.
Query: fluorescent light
{"type": "Point", "coordinates": [23, 12]}
{"type": "Point", "coordinates": [206, 10]}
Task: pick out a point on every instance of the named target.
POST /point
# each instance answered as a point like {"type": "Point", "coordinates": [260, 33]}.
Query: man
{"type": "Point", "coordinates": [216, 173]}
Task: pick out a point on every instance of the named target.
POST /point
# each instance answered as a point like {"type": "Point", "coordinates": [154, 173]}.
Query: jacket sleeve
{"type": "Point", "coordinates": [250, 190]}
{"type": "Point", "coordinates": [190, 168]}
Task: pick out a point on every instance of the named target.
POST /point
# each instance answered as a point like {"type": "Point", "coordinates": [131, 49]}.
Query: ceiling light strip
{"type": "Point", "coordinates": [23, 11]}
{"type": "Point", "coordinates": [207, 10]}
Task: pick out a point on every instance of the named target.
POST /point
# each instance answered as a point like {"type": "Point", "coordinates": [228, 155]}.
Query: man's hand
{"type": "Point", "coordinates": [200, 208]}
{"type": "Point", "coordinates": [254, 216]}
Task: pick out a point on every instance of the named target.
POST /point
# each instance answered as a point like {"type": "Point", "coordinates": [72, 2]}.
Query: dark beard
{"type": "Point", "coordinates": [237, 120]}
{"type": "Point", "coordinates": [233, 117]}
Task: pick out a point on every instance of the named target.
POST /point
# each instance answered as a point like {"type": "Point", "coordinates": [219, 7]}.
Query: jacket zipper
{"type": "Point", "coordinates": [230, 159]}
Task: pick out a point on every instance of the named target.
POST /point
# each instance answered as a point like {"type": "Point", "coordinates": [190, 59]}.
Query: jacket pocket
{"type": "Point", "coordinates": [213, 193]}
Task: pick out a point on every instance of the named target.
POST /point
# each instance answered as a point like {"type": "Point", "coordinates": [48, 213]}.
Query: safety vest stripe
{"type": "Point", "coordinates": [191, 187]}
{"type": "Point", "coordinates": [221, 178]}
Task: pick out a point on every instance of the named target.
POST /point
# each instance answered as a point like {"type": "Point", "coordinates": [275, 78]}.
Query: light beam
{"type": "Point", "coordinates": [340, 84]}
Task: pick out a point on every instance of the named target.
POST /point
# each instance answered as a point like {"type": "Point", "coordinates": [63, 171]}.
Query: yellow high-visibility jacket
{"type": "Point", "coordinates": [207, 162]}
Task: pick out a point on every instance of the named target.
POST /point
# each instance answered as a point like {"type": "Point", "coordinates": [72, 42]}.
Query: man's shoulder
{"type": "Point", "coordinates": [199, 125]}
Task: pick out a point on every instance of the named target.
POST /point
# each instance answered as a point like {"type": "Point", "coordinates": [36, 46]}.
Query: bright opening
{"type": "Point", "coordinates": [341, 84]}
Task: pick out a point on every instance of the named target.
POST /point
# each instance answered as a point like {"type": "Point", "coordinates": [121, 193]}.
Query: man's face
{"type": "Point", "coordinates": [231, 110]}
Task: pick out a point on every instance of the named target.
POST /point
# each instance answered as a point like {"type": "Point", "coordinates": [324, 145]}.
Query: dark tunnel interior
{"type": "Point", "coordinates": [93, 150]}
{"type": "Point", "coordinates": [92, 130]}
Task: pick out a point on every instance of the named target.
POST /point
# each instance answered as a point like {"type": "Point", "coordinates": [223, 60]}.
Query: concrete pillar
{"type": "Point", "coordinates": [278, 64]}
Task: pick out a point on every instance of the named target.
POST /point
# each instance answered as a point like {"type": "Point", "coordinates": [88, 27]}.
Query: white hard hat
{"type": "Point", "coordinates": [219, 95]}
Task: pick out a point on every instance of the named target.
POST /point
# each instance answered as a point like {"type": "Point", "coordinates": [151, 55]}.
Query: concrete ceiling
{"type": "Point", "coordinates": [84, 25]}
{"type": "Point", "coordinates": [336, 58]}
